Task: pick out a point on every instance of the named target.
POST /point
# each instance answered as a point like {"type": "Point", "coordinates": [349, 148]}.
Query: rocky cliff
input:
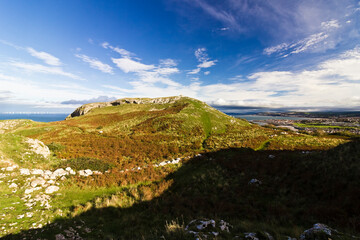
{"type": "Point", "coordinates": [84, 109]}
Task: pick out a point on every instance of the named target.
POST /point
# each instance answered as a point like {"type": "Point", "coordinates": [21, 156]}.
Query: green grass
{"type": "Point", "coordinates": [298, 189]}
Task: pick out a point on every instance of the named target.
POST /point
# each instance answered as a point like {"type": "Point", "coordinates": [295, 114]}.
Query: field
{"type": "Point", "coordinates": [156, 167]}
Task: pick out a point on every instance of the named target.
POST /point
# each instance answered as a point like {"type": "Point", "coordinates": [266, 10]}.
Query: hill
{"type": "Point", "coordinates": [127, 131]}
{"type": "Point", "coordinates": [148, 167]}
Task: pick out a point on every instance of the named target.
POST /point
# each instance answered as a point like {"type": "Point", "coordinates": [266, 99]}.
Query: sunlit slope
{"type": "Point", "coordinates": [132, 133]}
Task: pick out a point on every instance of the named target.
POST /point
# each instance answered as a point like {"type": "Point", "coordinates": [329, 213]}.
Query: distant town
{"type": "Point", "coordinates": [336, 123]}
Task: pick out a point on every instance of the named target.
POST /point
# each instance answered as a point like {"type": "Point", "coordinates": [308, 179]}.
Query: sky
{"type": "Point", "coordinates": [237, 55]}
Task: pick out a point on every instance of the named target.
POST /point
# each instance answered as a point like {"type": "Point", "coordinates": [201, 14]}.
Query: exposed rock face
{"type": "Point", "coordinates": [84, 109]}
{"type": "Point", "coordinates": [38, 147]}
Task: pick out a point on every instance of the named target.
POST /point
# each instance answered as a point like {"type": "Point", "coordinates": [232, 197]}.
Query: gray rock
{"type": "Point", "coordinates": [60, 172]}
{"type": "Point", "coordinates": [86, 108]}
{"type": "Point", "coordinates": [51, 189]}
{"type": "Point", "coordinates": [38, 181]}
{"type": "Point", "coordinates": [318, 232]}
{"type": "Point", "coordinates": [254, 181]}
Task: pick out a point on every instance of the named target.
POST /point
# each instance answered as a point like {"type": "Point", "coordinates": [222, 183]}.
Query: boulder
{"type": "Point", "coordinates": [318, 232]}
{"type": "Point", "coordinates": [60, 172]}
{"type": "Point", "coordinates": [37, 172]}
{"type": "Point", "coordinates": [13, 185]}
{"type": "Point", "coordinates": [38, 147]}
{"type": "Point", "coordinates": [51, 189]}
{"type": "Point", "coordinates": [207, 227]}
{"type": "Point", "coordinates": [38, 181]}
{"type": "Point", "coordinates": [24, 171]}
{"type": "Point", "coordinates": [72, 172]}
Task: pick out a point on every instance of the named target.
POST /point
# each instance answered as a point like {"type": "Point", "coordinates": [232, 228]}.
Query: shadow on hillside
{"type": "Point", "coordinates": [298, 189]}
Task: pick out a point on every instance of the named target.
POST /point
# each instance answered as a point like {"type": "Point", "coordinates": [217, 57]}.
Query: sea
{"type": "Point", "coordinates": [38, 117]}
{"type": "Point", "coordinates": [260, 117]}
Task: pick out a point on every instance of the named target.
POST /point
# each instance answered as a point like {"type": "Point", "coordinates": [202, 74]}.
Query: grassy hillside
{"type": "Point", "coordinates": [148, 180]}
{"type": "Point", "coordinates": [297, 190]}
{"type": "Point", "coordinates": [126, 133]}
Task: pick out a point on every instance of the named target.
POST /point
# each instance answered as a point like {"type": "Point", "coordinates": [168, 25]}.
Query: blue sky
{"type": "Point", "coordinates": [239, 54]}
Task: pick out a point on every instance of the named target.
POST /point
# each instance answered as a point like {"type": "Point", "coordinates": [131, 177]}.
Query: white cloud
{"type": "Point", "coordinates": [123, 52]}
{"type": "Point", "coordinates": [46, 57]}
{"type": "Point", "coordinates": [313, 42]}
{"type": "Point", "coordinates": [11, 44]}
{"type": "Point", "coordinates": [308, 42]}
{"type": "Point", "coordinates": [332, 83]}
{"type": "Point", "coordinates": [105, 45]}
{"type": "Point", "coordinates": [31, 67]}
{"type": "Point", "coordinates": [127, 65]}
{"type": "Point", "coordinates": [201, 54]}
{"type": "Point", "coordinates": [277, 48]}
{"type": "Point", "coordinates": [91, 100]}
{"type": "Point", "coordinates": [207, 73]}
{"type": "Point", "coordinates": [168, 62]}
{"type": "Point", "coordinates": [224, 16]}
{"type": "Point", "coordinates": [25, 91]}
{"type": "Point", "coordinates": [166, 70]}
{"type": "Point", "coordinates": [325, 38]}
{"type": "Point", "coordinates": [156, 77]}
{"type": "Point", "coordinates": [96, 64]}
{"type": "Point", "coordinates": [330, 24]}
{"type": "Point", "coordinates": [346, 66]}
{"type": "Point", "coordinates": [207, 64]}
{"type": "Point", "coordinates": [195, 71]}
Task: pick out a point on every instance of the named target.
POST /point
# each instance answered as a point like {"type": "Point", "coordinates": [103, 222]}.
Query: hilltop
{"type": "Point", "coordinates": [84, 109]}
{"type": "Point", "coordinates": [148, 167]}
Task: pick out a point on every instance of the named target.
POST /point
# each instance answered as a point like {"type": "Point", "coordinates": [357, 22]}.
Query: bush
{"type": "Point", "coordinates": [56, 147]}
{"type": "Point", "coordinates": [86, 163]}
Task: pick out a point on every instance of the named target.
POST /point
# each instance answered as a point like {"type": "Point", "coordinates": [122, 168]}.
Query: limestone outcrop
{"type": "Point", "coordinates": [86, 108]}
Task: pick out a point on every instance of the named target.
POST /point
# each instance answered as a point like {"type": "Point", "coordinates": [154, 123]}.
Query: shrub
{"type": "Point", "coordinates": [56, 147]}
{"type": "Point", "coordinates": [86, 163]}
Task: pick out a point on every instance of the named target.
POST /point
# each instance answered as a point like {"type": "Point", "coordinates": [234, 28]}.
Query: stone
{"type": "Point", "coordinates": [254, 181]}
{"type": "Point", "coordinates": [13, 185]}
{"type": "Point", "coordinates": [24, 171]}
{"type": "Point", "coordinates": [11, 168]}
{"type": "Point", "coordinates": [38, 147]}
{"type": "Point", "coordinates": [51, 189]}
{"type": "Point", "coordinates": [60, 237]}
{"type": "Point", "coordinates": [72, 172]}
{"type": "Point", "coordinates": [60, 172]}
{"type": "Point", "coordinates": [38, 181]}
{"type": "Point", "coordinates": [318, 231]}
{"type": "Point", "coordinates": [251, 236]}
{"type": "Point", "coordinates": [37, 172]}
{"type": "Point", "coordinates": [203, 228]}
